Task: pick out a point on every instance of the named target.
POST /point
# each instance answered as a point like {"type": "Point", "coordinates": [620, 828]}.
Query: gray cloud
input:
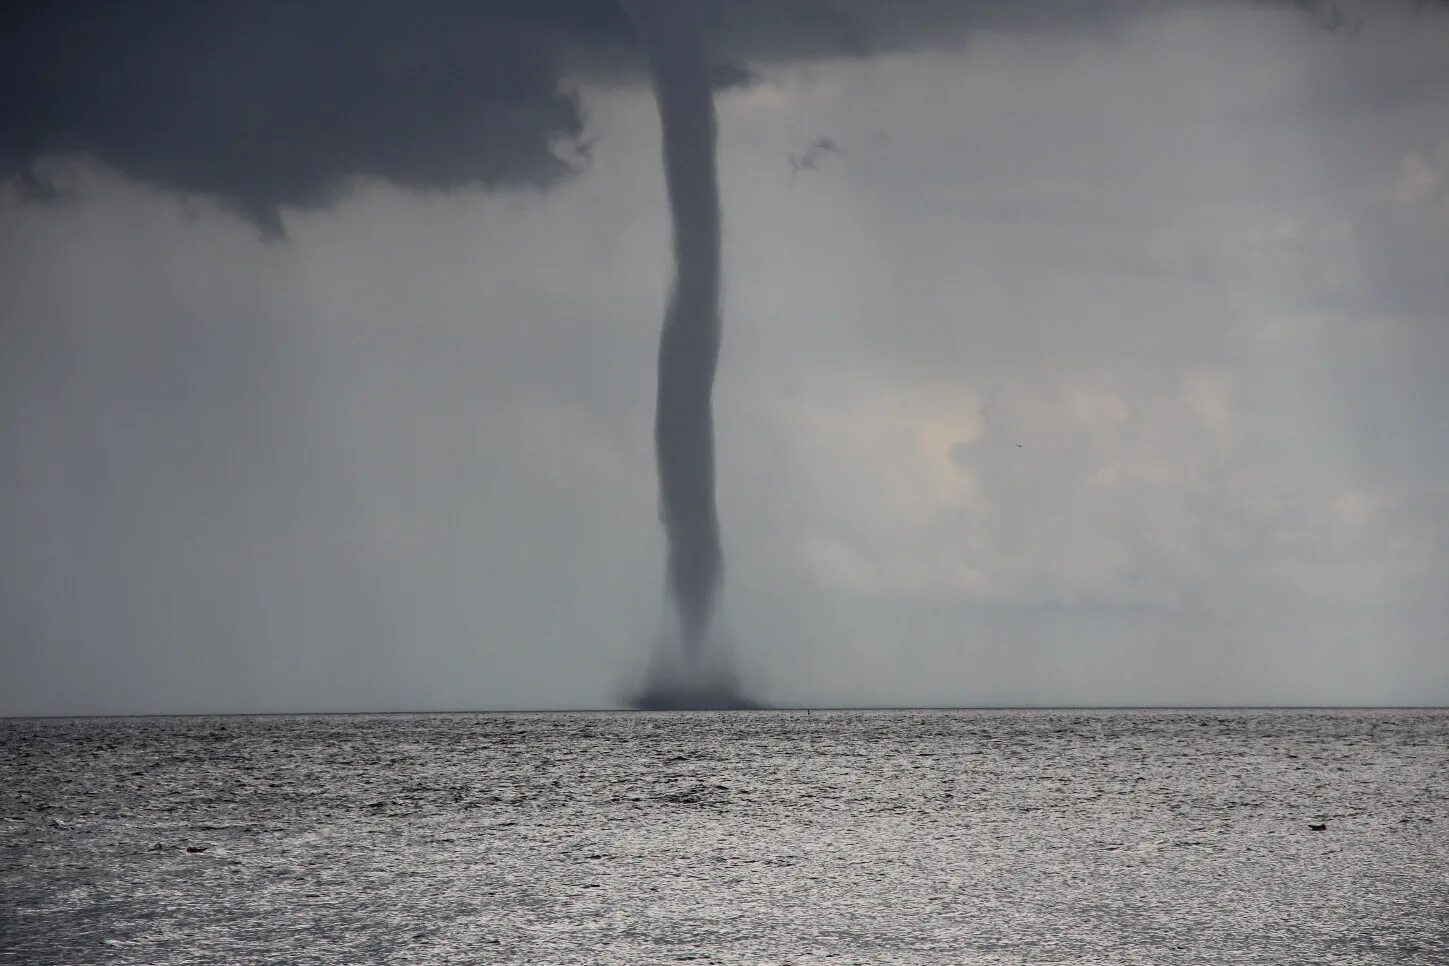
{"type": "Point", "coordinates": [275, 104]}
{"type": "Point", "coordinates": [404, 460]}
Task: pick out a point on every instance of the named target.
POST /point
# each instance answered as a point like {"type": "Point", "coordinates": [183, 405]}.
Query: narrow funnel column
{"type": "Point", "coordinates": [689, 344]}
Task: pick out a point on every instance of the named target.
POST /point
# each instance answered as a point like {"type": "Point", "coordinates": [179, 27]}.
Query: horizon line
{"type": "Point", "coordinates": [762, 710]}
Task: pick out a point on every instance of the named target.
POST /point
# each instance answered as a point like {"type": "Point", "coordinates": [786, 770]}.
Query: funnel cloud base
{"type": "Point", "coordinates": [693, 696]}
{"type": "Point", "coordinates": [693, 679]}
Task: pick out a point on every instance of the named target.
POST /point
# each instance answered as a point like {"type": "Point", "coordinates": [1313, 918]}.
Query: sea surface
{"type": "Point", "coordinates": [1131, 837]}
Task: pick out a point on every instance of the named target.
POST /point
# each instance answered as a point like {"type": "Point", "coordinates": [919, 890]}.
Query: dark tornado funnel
{"type": "Point", "coordinates": [689, 344]}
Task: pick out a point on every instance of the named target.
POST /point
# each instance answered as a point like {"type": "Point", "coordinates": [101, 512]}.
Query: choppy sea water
{"type": "Point", "coordinates": [893, 836]}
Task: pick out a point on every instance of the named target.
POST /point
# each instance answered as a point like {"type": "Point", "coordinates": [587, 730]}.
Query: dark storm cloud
{"type": "Point", "coordinates": [273, 103]}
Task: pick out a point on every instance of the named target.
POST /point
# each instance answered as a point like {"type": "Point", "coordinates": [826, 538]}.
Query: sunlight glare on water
{"type": "Point", "coordinates": [891, 836]}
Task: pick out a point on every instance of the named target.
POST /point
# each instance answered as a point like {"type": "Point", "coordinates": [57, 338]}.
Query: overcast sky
{"type": "Point", "coordinates": [1099, 361]}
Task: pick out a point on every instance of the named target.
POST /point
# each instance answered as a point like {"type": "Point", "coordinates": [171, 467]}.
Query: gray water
{"type": "Point", "coordinates": [893, 836]}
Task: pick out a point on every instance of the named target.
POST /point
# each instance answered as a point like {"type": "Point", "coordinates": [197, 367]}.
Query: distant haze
{"type": "Point", "coordinates": [1096, 362]}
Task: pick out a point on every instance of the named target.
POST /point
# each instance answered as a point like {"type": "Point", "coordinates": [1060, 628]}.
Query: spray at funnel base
{"type": "Point", "coordinates": [681, 680]}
